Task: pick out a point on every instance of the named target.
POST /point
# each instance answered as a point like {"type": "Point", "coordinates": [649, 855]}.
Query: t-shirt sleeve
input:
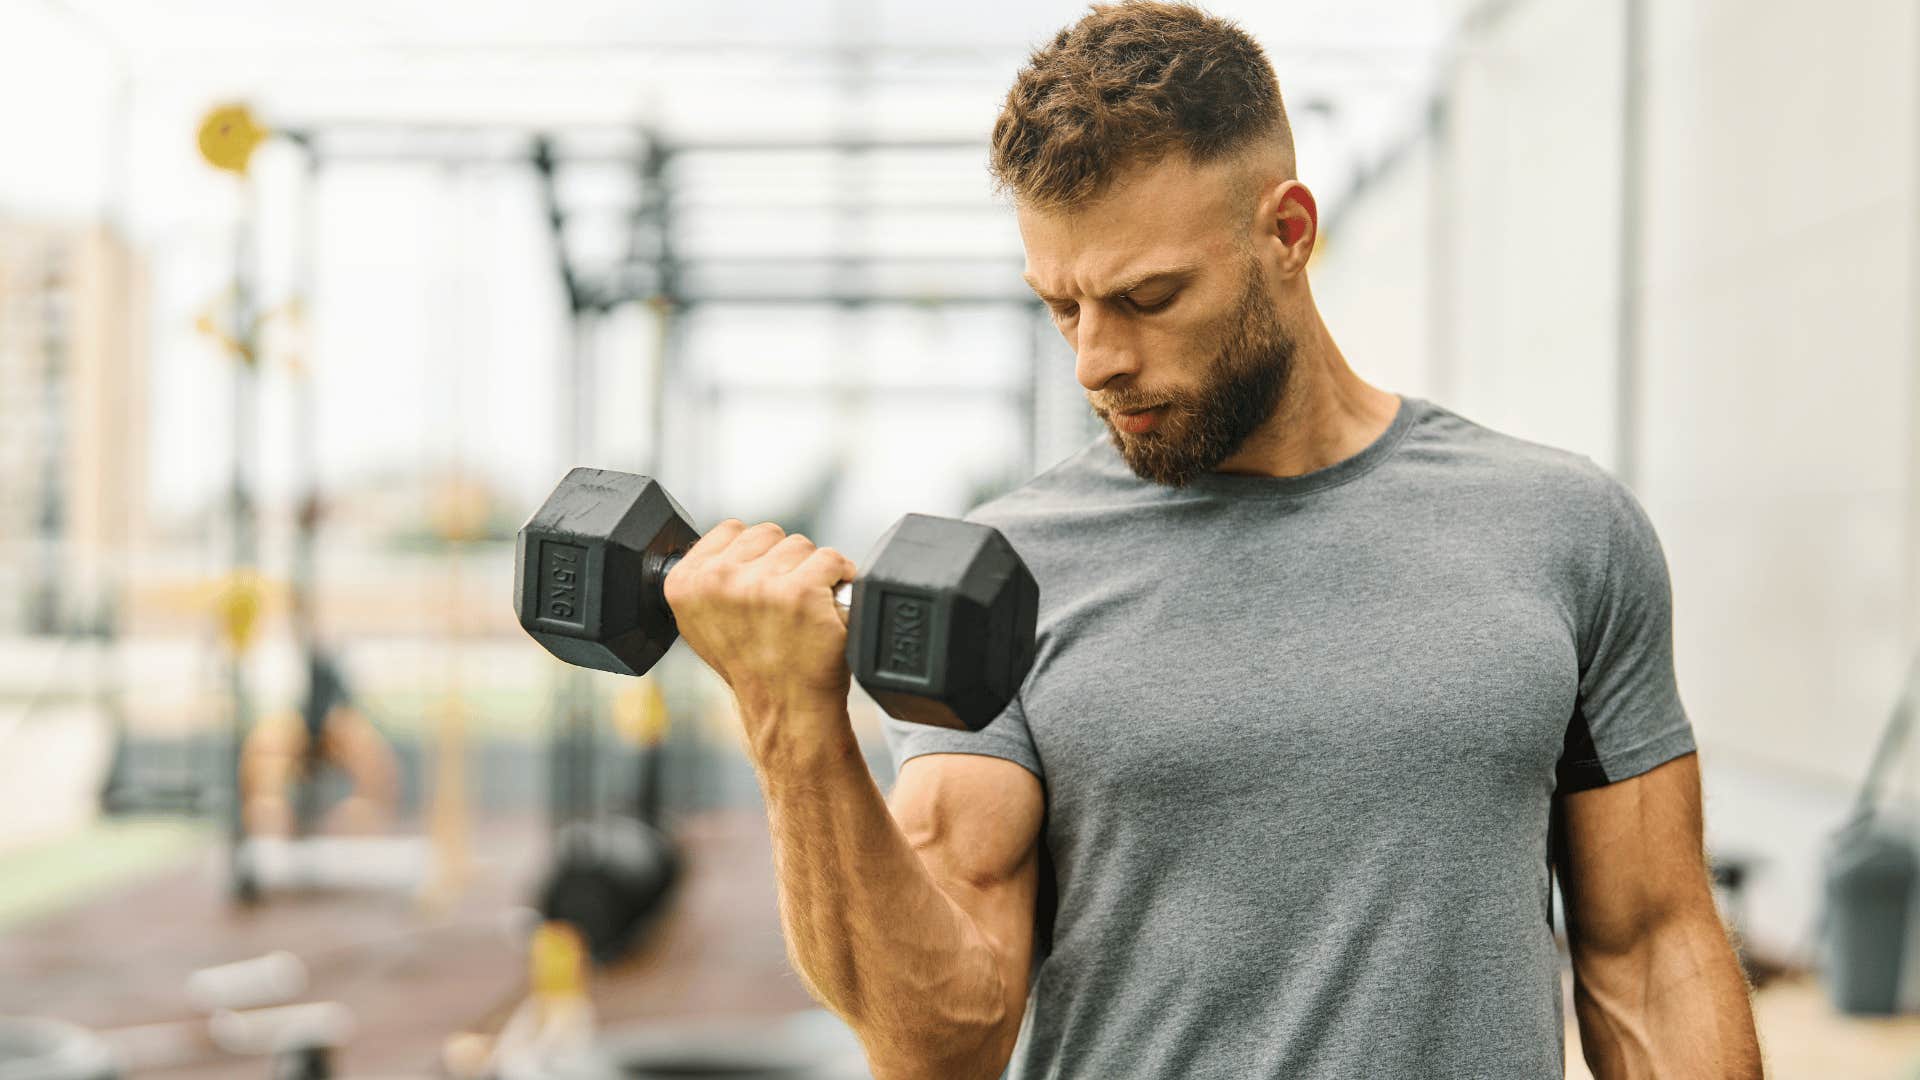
{"type": "Point", "coordinates": [1005, 737]}
{"type": "Point", "coordinates": [1627, 717]}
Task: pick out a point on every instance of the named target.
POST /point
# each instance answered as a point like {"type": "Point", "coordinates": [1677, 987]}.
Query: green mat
{"type": "Point", "coordinates": [43, 878]}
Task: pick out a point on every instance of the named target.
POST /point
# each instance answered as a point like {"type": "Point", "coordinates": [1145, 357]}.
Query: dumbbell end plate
{"type": "Point", "coordinates": [943, 623]}
{"type": "Point", "coordinates": [587, 568]}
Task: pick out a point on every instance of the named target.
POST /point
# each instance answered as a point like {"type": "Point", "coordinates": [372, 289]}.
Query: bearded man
{"type": "Point", "coordinates": [1329, 683]}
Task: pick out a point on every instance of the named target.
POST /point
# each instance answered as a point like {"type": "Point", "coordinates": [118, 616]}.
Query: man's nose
{"type": "Point", "coordinates": [1102, 350]}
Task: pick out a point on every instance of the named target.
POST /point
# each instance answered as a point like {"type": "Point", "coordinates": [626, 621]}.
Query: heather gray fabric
{"type": "Point", "coordinates": [1299, 738]}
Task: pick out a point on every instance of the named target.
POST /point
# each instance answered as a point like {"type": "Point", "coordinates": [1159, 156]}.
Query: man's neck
{"type": "Point", "coordinates": [1328, 414]}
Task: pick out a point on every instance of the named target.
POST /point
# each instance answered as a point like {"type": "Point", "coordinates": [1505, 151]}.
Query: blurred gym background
{"type": "Point", "coordinates": [304, 307]}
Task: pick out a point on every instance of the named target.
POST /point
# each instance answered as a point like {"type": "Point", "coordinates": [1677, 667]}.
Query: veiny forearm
{"type": "Point", "coordinates": [874, 937]}
{"type": "Point", "coordinates": [1673, 1004]}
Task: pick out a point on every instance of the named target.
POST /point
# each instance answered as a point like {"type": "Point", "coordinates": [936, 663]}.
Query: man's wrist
{"type": "Point", "coordinates": [797, 737]}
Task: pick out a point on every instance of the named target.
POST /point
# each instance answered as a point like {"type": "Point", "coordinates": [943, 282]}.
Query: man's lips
{"type": "Point", "coordinates": [1138, 422]}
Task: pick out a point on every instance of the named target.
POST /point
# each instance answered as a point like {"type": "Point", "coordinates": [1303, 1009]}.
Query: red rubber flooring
{"type": "Point", "coordinates": [410, 978]}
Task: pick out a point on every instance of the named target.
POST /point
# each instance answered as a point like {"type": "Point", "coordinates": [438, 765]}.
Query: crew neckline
{"type": "Point", "coordinates": [1340, 472]}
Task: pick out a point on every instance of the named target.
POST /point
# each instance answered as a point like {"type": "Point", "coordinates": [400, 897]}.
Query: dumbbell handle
{"type": "Point", "coordinates": [842, 593]}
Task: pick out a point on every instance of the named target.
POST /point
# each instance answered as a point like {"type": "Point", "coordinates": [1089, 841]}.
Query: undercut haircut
{"type": "Point", "coordinates": [1124, 87]}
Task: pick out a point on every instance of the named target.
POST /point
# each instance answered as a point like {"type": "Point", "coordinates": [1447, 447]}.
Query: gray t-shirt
{"type": "Point", "coordinates": [1299, 737]}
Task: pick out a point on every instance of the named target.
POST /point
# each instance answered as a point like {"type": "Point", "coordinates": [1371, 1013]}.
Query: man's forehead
{"type": "Point", "coordinates": [1159, 215]}
{"type": "Point", "coordinates": [1169, 191]}
{"type": "Point", "coordinates": [1126, 233]}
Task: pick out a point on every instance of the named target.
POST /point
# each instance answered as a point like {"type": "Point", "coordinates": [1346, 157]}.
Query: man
{"type": "Point", "coordinates": [1318, 666]}
{"type": "Point", "coordinates": [281, 758]}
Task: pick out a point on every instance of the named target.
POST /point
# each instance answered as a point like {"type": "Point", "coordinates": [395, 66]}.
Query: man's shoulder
{"type": "Point", "coordinates": [1447, 446]}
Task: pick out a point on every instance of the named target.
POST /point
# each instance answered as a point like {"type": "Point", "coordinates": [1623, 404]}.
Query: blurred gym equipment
{"type": "Point", "coordinates": [1872, 871]}
{"type": "Point", "coordinates": [250, 1011]}
{"type": "Point", "coordinates": [37, 1049]}
{"type": "Point", "coordinates": [273, 978]}
{"type": "Point", "coordinates": [553, 1024]}
{"type": "Point", "coordinates": [811, 1045]}
{"type": "Point", "coordinates": [298, 1040]}
{"type": "Point", "coordinates": [610, 877]}
{"type": "Point", "coordinates": [227, 139]}
{"type": "Point", "coordinates": [940, 625]}
{"type": "Point", "coordinates": [611, 873]}
{"type": "Point", "coordinates": [228, 136]}
{"type": "Point", "coordinates": [273, 782]}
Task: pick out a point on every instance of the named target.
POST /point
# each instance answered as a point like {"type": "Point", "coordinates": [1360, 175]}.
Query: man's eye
{"type": "Point", "coordinates": [1151, 304]}
{"type": "Point", "coordinates": [1065, 311]}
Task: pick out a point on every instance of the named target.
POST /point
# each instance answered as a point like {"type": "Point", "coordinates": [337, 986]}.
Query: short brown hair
{"type": "Point", "coordinates": [1127, 84]}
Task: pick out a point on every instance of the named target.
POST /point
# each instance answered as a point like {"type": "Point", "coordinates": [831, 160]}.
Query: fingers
{"type": "Point", "coordinates": [712, 544]}
{"type": "Point", "coordinates": [824, 568]}
{"type": "Point", "coordinates": [752, 543]}
{"type": "Point", "coordinates": [770, 552]}
{"type": "Point", "coordinates": [730, 541]}
{"type": "Point", "coordinates": [787, 554]}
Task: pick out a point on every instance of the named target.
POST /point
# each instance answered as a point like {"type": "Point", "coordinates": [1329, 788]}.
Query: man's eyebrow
{"type": "Point", "coordinates": [1037, 290]}
{"type": "Point", "coordinates": [1148, 277]}
{"type": "Point", "coordinates": [1144, 277]}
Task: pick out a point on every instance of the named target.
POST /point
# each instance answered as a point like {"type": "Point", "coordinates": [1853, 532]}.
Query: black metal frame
{"type": "Point", "coordinates": [654, 274]}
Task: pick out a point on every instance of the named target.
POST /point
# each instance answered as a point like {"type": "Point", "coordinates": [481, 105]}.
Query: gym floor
{"type": "Point", "coordinates": [411, 978]}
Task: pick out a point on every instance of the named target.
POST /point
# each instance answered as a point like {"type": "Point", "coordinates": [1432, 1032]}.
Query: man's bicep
{"type": "Point", "coordinates": [975, 822]}
{"type": "Point", "coordinates": [1633, 857]}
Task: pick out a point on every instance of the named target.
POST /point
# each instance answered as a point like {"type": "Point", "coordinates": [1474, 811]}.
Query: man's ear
{"type": "Point", "coordinates": [1296, 220]}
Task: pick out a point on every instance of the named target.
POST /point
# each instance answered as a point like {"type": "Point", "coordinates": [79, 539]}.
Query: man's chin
{"type": "Point", "coordinates": [1147, 457]}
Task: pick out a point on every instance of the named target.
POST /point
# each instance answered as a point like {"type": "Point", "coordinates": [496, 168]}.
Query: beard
{"type": "Point", "coordinates": [1245, 384]}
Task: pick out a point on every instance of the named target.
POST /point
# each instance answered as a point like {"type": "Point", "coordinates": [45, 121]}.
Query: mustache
{"type": "Point", "coordinates": [1125, 405]}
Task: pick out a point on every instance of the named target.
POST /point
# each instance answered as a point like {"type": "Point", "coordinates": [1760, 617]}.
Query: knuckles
{"type": "Point", "coordinates": [723, 534]}
{"type": "Point", "coordinates": [747, 584]}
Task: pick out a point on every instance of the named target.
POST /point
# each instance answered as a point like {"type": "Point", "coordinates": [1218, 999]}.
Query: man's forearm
{"type": "Point", "coordinates": [1673, 1005]}
{"type": "Point", "coordinates": [873, 936]}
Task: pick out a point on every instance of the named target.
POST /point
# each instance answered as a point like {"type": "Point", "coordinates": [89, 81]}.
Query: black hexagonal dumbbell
{"type": "Point", "coordinates": [940, 625]}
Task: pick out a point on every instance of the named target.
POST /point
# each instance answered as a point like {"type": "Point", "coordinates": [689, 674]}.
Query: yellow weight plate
{"type": "Point", "coordinates": [238, 604]}
{"type": "Point", "coordinates": [228, 137]}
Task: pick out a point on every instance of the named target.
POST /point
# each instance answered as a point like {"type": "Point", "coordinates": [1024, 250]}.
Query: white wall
{"type": "Point", "coordinates": [1373, 283]}
{"type": "Point", "coordinates": [59, 96]}
{"type": "Point", "coordinates": [1778, 410]}
{"type": "Point", "coordinates": [1779, 402]}
{"type": "Point", "coordinates": [1779, 399]}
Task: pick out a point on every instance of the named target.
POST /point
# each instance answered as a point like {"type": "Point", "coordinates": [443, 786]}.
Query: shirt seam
{"type": "Point", "coordinates": [1387, 453]}
{"type": "Point", "coordinates": [1626, 754]}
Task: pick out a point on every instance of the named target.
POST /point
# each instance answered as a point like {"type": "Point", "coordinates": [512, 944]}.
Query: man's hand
{"type": "Point", "coordinates": [757, 605]}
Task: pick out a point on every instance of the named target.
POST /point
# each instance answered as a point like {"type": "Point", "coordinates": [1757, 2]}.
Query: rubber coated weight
{"type": "Point", "coordinates": [942, 628]}
{"type": "Point", "coordinates": [611, 878]}
{"type": "Point", "coordinates": [589, 570]}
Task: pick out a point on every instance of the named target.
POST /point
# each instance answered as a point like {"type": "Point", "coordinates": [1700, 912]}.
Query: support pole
{"type": "Point", "coordinates": [1633, 137]}
{"type": "Point", "coordinates": [1442, 213]}
{"type": "Point", "coordinates": [305, 428]}
{"type": "Point", "coordinates": [243, 540]}
{"type": "Point", "coordinates": [1912, 567]}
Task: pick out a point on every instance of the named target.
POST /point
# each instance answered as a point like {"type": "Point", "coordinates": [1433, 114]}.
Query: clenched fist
{"type": "Point", "coordinates": [757, 605]}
